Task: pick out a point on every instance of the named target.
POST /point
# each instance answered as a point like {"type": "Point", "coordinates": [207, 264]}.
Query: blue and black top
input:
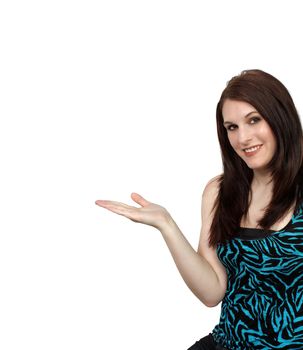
{"type": "Point", "coordinates": [263, 304]}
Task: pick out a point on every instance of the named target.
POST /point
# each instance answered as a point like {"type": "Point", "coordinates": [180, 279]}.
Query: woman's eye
{"type": "Point", "coordinates": [231, 127]}
{"type": "Point", "coordinates": [252, 120]}
{"type": "Point", "coordinates": [255, 120]}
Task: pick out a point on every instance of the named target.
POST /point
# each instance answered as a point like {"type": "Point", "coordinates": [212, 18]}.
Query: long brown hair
{"type": "Point", "coordinates": [273, 101]}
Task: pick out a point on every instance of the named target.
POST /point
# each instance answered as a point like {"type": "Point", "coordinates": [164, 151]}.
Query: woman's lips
{"type": "Point", "coordinates": [254, 150]}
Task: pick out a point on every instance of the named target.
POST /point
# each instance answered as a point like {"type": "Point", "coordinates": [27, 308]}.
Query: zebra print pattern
{"type": "Point", "coordinates": [263, 304]}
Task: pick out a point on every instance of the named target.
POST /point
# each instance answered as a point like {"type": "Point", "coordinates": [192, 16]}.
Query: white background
{"type": "Point", "coordinates": [100, 99]}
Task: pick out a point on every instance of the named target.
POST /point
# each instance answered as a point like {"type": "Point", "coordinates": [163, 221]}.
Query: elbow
{"type": "Point", "coordinates": [212, 303]}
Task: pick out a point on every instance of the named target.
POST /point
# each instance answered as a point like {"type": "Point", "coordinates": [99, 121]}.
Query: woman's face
{"type": "Point", "coordinates": [249, 134]}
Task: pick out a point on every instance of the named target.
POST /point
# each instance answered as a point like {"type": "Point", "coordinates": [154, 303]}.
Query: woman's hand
{"type": "Point", "coordinates": [149, 214]}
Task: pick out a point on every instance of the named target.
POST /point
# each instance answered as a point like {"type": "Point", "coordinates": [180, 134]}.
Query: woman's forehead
{"type": "Point", "coordinates": [232, 109]}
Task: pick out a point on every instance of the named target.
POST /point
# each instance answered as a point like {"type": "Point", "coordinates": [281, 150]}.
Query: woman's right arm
{"type": "Point", "coordinates": [202, 271]}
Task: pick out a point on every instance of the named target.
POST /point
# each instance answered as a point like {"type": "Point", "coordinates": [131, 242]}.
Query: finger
{"type": "Point", "coordinates": [120, 210]}
{"type": "Point", "coordinates": [116, 210]}
{"type": "Point", "coordinates": [139, 199]}
{"type": "Point", "coordinates": [105, 204]}
{"type": "Point", "coordinates": [99, 202]}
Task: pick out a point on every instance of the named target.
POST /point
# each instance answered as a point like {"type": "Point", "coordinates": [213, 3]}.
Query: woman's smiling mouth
{"type": "Point", "coordinates": [252, 150]}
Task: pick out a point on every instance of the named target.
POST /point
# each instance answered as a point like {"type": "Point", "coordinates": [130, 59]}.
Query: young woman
{"type": "Point", "coordinates": [250, 253]}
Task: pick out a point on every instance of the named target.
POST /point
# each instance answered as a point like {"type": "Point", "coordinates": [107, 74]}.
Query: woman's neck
{"type": "Point", "coordinates": [262, 181]}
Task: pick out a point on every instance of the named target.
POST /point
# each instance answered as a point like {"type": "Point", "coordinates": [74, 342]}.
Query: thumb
{"type": "Point", "coordinates": [139, 199]}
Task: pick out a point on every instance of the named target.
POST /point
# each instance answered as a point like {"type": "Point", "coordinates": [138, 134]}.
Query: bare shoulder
{"type": "Point", "coordinates": [209, 196]}
{"type": "Point", "coordinates": [212, 187]}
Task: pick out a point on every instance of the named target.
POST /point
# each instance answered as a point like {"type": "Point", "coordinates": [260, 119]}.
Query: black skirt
{"type": "Point", "coordinates": [206, 343]}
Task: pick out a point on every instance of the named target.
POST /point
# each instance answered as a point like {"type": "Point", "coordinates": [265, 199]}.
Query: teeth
{"type": "Point", "coordinates": [251, 149]}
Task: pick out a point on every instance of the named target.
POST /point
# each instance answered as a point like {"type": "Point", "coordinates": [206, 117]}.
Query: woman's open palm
{"type": "Point", "coordinates": [150, 213]}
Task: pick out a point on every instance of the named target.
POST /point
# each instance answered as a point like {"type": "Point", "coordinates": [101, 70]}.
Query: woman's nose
{"type": "Point", "coordinates": [244, 136]}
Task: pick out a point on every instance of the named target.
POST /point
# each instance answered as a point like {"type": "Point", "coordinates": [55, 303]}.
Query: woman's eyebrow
{"type": "Point", "coordinates": [247, 115]}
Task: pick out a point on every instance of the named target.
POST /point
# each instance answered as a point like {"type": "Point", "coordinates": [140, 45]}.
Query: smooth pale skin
{"type": "Point", "coordinates": [201, 273]}
{"type": "Point", "coordinates": [149, 214]}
